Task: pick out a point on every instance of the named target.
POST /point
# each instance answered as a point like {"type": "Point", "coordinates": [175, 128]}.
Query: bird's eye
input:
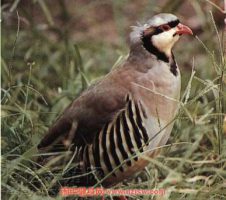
{"type": "Point", "coordinates": [165, 27]}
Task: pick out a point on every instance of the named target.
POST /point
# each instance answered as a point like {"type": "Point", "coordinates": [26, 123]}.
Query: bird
{"type": "Point", "coordinates": [127, 115]}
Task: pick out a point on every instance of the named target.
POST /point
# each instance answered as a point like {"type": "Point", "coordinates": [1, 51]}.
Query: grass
{"type": "Point", "coordinates": [46, 64]}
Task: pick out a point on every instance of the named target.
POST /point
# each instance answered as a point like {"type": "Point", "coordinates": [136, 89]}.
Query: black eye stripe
{"type": "Point", "coordinates": [174, 23]}
{"type": "Point", "coordinates": [158, 30]}
{"type": "Point", "coordinates": [170, 24]}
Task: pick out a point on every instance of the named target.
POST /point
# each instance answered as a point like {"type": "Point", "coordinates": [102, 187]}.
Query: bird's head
{"type": "Point", "coordinates": [159, 34]}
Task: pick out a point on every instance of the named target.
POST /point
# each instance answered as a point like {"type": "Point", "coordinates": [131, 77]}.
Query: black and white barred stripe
{"type": "Point", "coordinates": [118, 141]}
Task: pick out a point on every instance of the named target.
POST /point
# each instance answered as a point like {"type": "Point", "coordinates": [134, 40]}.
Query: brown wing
{"type": "Point", "coordinates": [86, 115]}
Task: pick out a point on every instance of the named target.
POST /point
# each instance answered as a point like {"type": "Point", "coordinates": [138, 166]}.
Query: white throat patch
{"type": "Point", "coordinates": [164, 41]}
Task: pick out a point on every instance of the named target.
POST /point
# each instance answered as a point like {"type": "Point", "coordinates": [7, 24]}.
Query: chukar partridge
{"type": "Point", "coordinates": [130, 112]}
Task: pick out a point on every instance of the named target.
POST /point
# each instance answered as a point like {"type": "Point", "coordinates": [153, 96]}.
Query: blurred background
{"type": "Point", "coordinates": [52, 50]}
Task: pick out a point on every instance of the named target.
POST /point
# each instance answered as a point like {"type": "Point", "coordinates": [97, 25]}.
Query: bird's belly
{"type": "Point", "coordinates": [161, 106]}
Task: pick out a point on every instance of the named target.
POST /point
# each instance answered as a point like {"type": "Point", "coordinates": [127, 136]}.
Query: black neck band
{"type": "Point", "coordinates": [173, 66]}
{"type": "Point", "coordinates": [152, 49]}
{"type": "Point", "coordinates": [148, 45]}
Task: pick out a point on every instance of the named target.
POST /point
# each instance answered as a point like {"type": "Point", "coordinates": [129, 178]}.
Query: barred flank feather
{"type": "Point", "coordinates": [116, 145]}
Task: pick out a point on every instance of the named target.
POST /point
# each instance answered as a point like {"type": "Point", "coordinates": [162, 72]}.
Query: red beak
{"type": "Point", "coordinates": [182, 29]}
